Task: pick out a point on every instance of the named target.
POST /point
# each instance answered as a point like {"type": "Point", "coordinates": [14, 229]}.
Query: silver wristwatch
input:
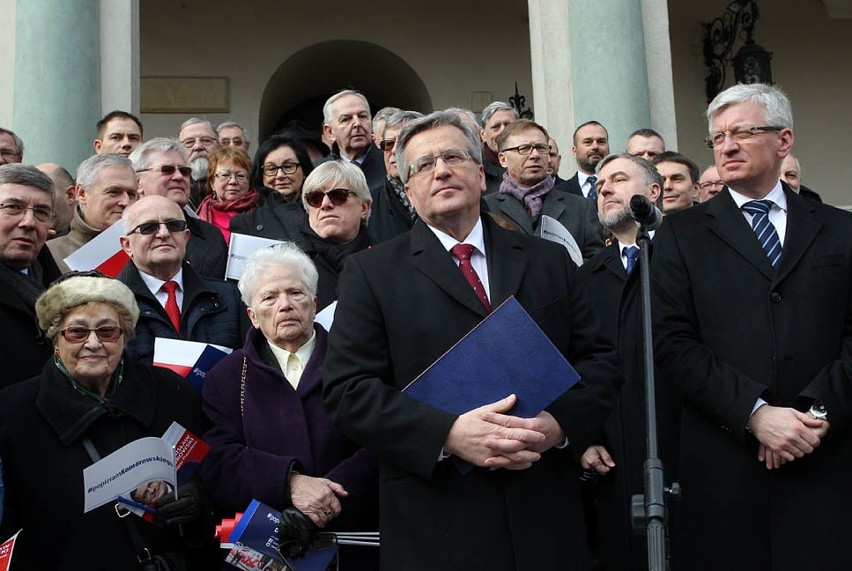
{"type": "Point", "coordinates": [818, 411]}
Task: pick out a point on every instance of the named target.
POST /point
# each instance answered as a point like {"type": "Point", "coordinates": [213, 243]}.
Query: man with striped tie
{"type": "Point", "coordinates": [753, 329]}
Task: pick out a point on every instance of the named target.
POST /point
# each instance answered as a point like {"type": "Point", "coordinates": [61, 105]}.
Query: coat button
{"type": "Point", "coordinates": [775, 296]}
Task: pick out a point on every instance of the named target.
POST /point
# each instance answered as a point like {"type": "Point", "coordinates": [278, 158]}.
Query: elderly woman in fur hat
{"type": "Point", "coordinates": [88, 402]}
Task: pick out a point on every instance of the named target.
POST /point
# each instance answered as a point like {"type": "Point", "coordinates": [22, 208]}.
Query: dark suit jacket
{"type": "Point", "coordinates": [388, 216]}
{"type": "Point", "coordinates": [373, 165]}
{"type": "Point", "coordinates": [578, 215]}
{"type": "Point", "coordinates": [211, 312]}
{"type": "Point", "coordinates": [571, 186]}
{"type": "Point", "coordinates": [493, 177]}
{"type": "Point", "coordinates": [402, 305]}
{"type": "Point", "coordinates": [729, 328]}
{"type": "Point", "coordinates": [206, 250]}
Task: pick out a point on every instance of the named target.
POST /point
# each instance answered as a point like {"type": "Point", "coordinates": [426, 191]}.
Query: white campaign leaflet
{"type": "Point", "coordinates": [240, 248]}
{"type": "Point", "coordinates": [126, 469]}
{"type": "Point", "coordinates": [552, 230]}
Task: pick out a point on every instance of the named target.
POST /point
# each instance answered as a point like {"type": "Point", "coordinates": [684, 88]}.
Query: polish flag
{"type": "Point", "coordinates": [6, 552]}
{"type": "Point", "coordinates": [102, 253]}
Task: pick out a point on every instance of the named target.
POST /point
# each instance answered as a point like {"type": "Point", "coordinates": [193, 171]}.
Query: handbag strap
{"type": "Point", "coordinates": [142, 552]}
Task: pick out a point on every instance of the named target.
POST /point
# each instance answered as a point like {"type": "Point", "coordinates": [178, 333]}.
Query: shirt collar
{"type": "Point", "coordinates": [303, 353]}
{"type": "Point", "coordinates": [154, 284]}
{"type": "Point", "coordinates": [776, 195]}
{"type": "Point", "coordinates": [476, 238]}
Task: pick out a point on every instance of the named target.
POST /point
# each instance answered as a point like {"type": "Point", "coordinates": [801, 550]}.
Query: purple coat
{"type": "Point", "coordinates": [280, 429]}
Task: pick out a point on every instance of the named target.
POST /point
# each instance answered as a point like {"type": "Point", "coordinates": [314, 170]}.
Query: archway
{"type": "Point", "coordinates": [300, 86]}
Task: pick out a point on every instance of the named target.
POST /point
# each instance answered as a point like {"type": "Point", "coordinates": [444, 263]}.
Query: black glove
{"type": "Point", "coordinates": [187, 508]}
{"type": "Point", "coordinates": [295, 533]}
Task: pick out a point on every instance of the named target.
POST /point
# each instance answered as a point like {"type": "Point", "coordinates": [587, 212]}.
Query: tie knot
{"type": "Point", "coordinates": [754, 207]}
{"type": "Point", "coordinates": [463, 251]}
{"type": "Point", "coordinates": [631, 253]}
{"type": "Point", "coordinates": [170, 287]}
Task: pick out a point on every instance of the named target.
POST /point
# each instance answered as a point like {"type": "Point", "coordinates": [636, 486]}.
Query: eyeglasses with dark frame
{"type": "Point", "coordinates": [9, 154]}
{"type": "Point", "coordinates": [169, 170]}
{"type": "Point", "coordinates": [711, 184]}
{"type": "Point", "coordinates": [78, 334]}
{"type": "Point", "coordinates": [148, 228]}
{"type": "Point", "coordinates": [271, 169]}
{"type": "Point", "coordinates": [387, 145]}
{"type": "Point", "coordinates": [525, 150]}
{"type": "Point", "coordinates": [738, 135]}
{"type": "Point", "coordinates": [337, 196]}
{"type": "Point", "coordinates": [14, 209]}
{"type": "Point", "coordinates": [451, 158]}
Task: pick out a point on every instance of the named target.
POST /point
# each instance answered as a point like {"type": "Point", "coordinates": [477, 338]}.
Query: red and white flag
{"type": "Point", "coordinates": [102, 253]}
{"type": "Point", "coordinates": [6, 552]}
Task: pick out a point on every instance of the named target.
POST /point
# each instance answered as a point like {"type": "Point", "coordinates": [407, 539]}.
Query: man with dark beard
{"type": "Point", "coordinates": [614, 462]}
{"type": "Point", "coordinates": [199, 139]}
{"type": "Point", "coordinates": [591, 145]}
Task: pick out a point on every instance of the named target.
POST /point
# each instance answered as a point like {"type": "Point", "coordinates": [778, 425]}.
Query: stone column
{"type": "Point", "coordinates": [57, 90]}
{"type": "Point", "coordinates": [119, 24]}
{"type": "Point", "coordinates": [589, 62]}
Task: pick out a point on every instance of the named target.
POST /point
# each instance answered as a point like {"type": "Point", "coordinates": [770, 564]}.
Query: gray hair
{"type": "Point", "coordinates": [434, 120]}
{"type": "Point", "coordinates": [227, 124]}
{"type": "Point", "coordinates": [18, 142]}
{"type": "Point", "coordinates": [383, 114]}
{"type": "Point", "coordinates": [650, 174]}
{"type": "Point", "coordinates": [87, 172]}
{"type": "Point", "coordinates": [26, 175]}
{"type": "Point", "coordinates": [195, 121]}
{"type": "Point", "coordinates": [401, 118]}
{"type": "Point", "coordinates": [285, 254]}
{"type": "Point", "coordinates": [775, 103]}
{"type": "Point", "coordinates": [140, 157]}
{"type": "Point", "coordinates": [326, 109]}
{"type": "Point", "coordinates": [494, 107]}
{"type": "Point", "coordinates": [334, 174]}
{"type": "Point", "coordinates": [467, 113]}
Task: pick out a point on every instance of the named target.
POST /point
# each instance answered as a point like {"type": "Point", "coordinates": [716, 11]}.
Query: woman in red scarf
{"type": "Point", "coordinates": [228, 177]}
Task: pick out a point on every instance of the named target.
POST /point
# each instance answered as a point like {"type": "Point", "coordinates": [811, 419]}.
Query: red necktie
{"type": "Point", "coordinates": [463, 252]}
{"type": "Point", "coordinates": [172, 309]}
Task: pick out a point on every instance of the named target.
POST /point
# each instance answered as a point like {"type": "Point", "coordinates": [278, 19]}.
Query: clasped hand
{"type": "Point", "coordinates": [488, 438]}
{"type": "Point", "coordinates": [316, 497]}
{"type": "Point", "coordinates": [785, 434]}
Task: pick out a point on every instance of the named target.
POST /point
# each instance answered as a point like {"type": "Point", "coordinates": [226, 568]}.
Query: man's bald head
{"type": "Point", "coordinates": [65, 199]}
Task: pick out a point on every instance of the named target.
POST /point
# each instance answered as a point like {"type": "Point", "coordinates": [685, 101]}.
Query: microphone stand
{"type": "Point", "coordinates": [648, 510]}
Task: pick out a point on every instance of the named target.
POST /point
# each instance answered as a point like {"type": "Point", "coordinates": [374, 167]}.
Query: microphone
{"type": "Point", "coordinates": [645, 213]}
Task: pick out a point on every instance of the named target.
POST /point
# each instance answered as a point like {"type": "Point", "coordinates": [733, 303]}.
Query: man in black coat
{"type": "Point", "coordinates": [494, 119]}
{"type": "Point", "coordinates": [612, 281]}
{"type": "Point", "coordinates": [207, 310]}
{"type": "Point", "coordinates": [392, 213]}
{"type": "Point", "coordinates": [347, 122]}
{"type": "Point", "coordinates": [591, 145]}
{"type": "Point", "coordinates": [158, 163]}
{"type": "Point", "coordinates": [753, 328]}
{"type": "Point", "coordinates": [402, 305]}
{"type": "Point", "coordinates": [26, 269]}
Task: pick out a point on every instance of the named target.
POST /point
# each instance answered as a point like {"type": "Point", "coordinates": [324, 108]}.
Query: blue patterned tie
{"type": "Point", "coordinates": [593, 194]}
{"type": "Point", "coordinates": [632, 255]}
{"type": "Point", "coordinates": [764, 229]}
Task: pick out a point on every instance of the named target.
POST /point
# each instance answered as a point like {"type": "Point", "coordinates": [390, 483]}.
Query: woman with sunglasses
{"type": "Point", "coordinates": [89, 401]}
{"type": "Point", "coordinates": [228, 178]}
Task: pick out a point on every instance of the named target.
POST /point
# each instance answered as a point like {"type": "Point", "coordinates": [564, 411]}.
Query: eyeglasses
{"type": "Point", "coordinates": [105, 333]}
{"type": "Point", "coordinates": [169, 170]}
{"type": "Point", "coordinates": [148, 228]}
{"type": "Point", "coordinates": [240, 176]}
{"type": "Point", "coordinates": [387, 144]}
{"type": "Point", "coordinates": [42, 214]}
{"type": "Point", "coordinates": [272, 169]}
{"type": "Point", "coordinates": [337, 196]}
{"type": "Point", "coordinates": [205, 142]}
{"type": "Point", "coordinates": [711, 184]}
{"type": "Point", "coordinates": [525, 150]}
{"type": "Point", "coordinates": [738, 135]}
{"type": "Point", "coordinates": [9, 154]}
{"type": "Point", "coordinates": [451, 158]}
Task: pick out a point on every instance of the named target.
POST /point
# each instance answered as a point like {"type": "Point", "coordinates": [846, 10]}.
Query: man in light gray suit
{"type": "Point", "coordinates": [527, 193]}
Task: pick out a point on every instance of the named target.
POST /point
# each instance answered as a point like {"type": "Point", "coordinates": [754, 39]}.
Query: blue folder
{"type": "Point", "coordinates": [506, 353]}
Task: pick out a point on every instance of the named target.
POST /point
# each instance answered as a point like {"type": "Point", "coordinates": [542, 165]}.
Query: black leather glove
{"type": "Point", "coordinates": [187, 508]}
{"type": "Point", "coordinates": [295, 533]}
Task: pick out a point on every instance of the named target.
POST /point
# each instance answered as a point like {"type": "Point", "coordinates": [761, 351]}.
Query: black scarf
{"type": "Point", "coordinates": [27, 286]}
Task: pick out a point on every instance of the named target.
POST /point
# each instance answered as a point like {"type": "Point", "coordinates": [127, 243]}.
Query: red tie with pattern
{"type": "Point", "coordinates": [463, 252]}
{"type": "Point", "coordinates": [172, 309]}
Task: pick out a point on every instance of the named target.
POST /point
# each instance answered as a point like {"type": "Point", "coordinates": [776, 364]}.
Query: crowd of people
{"type": "Point", "coordinates": [411, 229]}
